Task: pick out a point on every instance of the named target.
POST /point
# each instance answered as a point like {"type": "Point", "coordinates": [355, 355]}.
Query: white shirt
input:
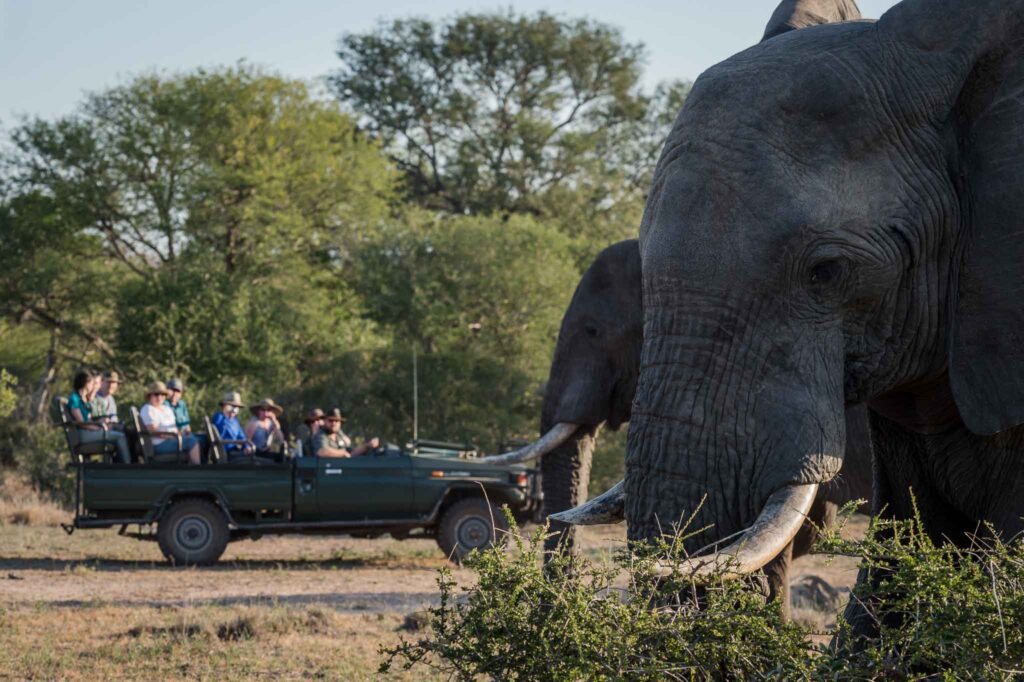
{"type": "Point", "coordinates": [162, 417]}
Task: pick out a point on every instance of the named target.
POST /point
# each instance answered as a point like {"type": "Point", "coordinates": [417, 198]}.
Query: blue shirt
{"type": "Point", "coordinates": [75, 402]}
{"type": "Point", "coordinates": [229, 429]}
{"type": "Point", "coordinates": [180, 411]}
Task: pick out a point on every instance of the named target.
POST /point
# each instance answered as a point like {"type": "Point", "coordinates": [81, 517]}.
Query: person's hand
{"type": "Point", "coordinates": [374, 443]}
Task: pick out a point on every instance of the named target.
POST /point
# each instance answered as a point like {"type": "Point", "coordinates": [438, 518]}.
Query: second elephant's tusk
{"type": "Point", "coordinates": [608, 507]}
{"type": "Point", "coordinates": [775, 527]}
{"type": "Point", "coordinates": [558, 434]}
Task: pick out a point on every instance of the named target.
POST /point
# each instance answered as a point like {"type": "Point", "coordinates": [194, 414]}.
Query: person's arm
{"type": "Point", "coordinates": [371, 444]}
{"type": "Point", "coordinates": [325, 450]}
{"type": "Point", "coordinates": [250, 428]}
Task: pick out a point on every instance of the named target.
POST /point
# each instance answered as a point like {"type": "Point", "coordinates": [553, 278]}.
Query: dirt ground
{"type": "Point", "coordinates": [96, 605]}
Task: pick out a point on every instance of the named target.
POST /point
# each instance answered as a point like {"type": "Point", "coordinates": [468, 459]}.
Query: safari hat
{"type": "Point", "coordinates": [232, 398]}
{"type": "Point", "coordinates": [157, 387]}
{"type": "Point", "coordinates": [266, 404]}
{"type": "Point", "coordinates": [112, 377]}
{"type": "Point", "coordinates": [335, 415]}
{"type": "Point", "coordinates": [316, 414]}
{"type": "Point", "coordinates": [175, 385]}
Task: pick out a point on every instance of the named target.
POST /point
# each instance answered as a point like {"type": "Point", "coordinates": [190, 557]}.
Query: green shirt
{"type": "Point", "coordinates": [181, 416]}
{"type": "Point", "coordinates": [331, 440]}
{"type": "Point", "coordinates": [75, 402]}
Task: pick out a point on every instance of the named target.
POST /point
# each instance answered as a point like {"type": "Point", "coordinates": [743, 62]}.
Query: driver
{"type": "Point", "coordinates": [331, 441]}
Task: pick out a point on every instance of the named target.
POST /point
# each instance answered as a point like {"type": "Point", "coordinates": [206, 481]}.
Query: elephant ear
{"type": "Point", "coordinates": [792, 15]}
{"type": "Point", "coordinates": [981, 44]}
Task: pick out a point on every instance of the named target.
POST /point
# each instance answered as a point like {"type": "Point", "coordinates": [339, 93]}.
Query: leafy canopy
{"type": "Point", "coordinates": [505, 113]}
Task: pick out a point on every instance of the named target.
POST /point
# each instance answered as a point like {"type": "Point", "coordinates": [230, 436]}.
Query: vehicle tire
{"type": "Point", "coordinates": [467, 525]}
{"type": "Point", "coordinates": [193, 532]}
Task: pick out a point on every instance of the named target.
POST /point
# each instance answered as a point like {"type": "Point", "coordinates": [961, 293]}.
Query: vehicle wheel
{"type": "Point", "coordinates": [467, 525]}
{"type": "Point", "coordinates": [193, 532]}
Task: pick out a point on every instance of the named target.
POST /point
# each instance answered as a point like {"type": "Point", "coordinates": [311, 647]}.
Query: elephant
{"type": "Point", "coordinates": [591, 384]}
{"type": "Point", "coordinates": [833, 221]}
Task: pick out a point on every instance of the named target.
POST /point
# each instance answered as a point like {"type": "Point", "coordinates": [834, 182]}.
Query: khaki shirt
{"type": "Point", "coordinates": [337, 441]}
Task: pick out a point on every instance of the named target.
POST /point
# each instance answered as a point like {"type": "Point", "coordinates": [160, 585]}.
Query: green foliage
{"type": "Point", "coordinates": [7, 394]}
{"type": "Point", "coordinates": [943, 612]}
{"type": "Point", "coordinates": [214, 212]}
{"type": "Point", "coordinates": [578, 620]}
{"type": "Point", "coordinates": [482, 299]}
{"type": "Point", "coordinates": [506, 113]}
{"type": "Point", "coordinates": [40, 453]}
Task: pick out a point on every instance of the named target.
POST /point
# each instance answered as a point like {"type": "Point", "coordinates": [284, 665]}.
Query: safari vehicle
{"type": "Point", "coordinates": [428, 489]}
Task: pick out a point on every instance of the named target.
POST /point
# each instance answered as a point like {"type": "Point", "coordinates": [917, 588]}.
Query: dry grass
{"type": "Point", "coordinates": [21, 504]}
{"type": "Point", "coordinates": [222, 643]}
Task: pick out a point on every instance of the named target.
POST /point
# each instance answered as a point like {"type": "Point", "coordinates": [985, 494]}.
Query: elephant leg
{"type": "Point", "coordinates": [821, 517]}
{"type": "Point", "coordinates": [777, 572]}
{"type": "Point", "coordinates": [903, 489]}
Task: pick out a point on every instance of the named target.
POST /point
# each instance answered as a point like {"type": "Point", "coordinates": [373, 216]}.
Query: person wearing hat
{"type": "Point", "coordinates": [230, 429]}
{"type": "Point", "coordinates": [263, 428]}
{"type": "Point", "coordinates": [84, 385]}
{"type": "Point", "coordinates": [332, 441]}
{"type": "Point", "coordinates": [104, 407]}
{"type": "Point", "coordinates": [177, 403]}
{"type": "Point", "coordinates": [158, 419]}
{"type": "Point", "coordinates": [311, 426]}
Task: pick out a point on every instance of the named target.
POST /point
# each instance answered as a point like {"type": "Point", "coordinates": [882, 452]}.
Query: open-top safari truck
{"type": "Point", "coordinates": [428, 489]}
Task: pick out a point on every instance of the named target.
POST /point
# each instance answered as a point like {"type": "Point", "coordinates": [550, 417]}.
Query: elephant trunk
{"type": "Point", "coordinates": [565, 475]}
{"type": "Point", "coordinates": [733, 421]}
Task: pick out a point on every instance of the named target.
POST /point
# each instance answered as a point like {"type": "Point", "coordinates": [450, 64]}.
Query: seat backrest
{"type": "Point", "coordinates": [145, 439]}
{"type": "Point", "coordinates": [61, 416]}
{"type": "Point", "coordinates": [217, 453]}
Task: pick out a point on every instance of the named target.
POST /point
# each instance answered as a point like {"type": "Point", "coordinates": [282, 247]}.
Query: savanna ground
{"type": "Point", "coordinates": [95, 605]}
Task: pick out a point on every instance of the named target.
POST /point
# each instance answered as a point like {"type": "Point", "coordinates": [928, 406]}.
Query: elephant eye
{"type": "Point", "coordinates": [591, 331]}
{"type": "Point", "coordinates": [825, 272]}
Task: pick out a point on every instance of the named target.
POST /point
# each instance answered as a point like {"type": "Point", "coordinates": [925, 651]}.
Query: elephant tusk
{"type": "Point", "coordinates": [783, 515]}
{"type": "Point", "coordinates": [607, 508]}
{"type": "Point", "coordinates": [558, 434]}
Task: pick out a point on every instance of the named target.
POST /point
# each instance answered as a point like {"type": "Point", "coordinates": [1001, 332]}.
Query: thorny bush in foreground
{"type": "Point", "coordinates": [944, 613]}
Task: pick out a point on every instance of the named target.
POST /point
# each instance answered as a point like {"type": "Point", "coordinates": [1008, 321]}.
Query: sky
{"type": "Point", "coordinates": [52, 52]}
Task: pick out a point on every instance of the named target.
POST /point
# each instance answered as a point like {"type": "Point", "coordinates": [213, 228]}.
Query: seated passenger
{"type": "Point", "coordinates": [104, 407]}
{"type": "Point", "coordinates": [230, 429]}
{"type": "Point", "coordinates": [177, 403]}
{"type": "Point", "coordinates": [158, 419]}
{"type": "Point", "coordinates": [332, 441]}
{"type": "Point", "coordinates": [85, 385]}
{"type": "Point", "coordinates": [263, 428]}
{"type": "Point", "coordinates": [312, 425]}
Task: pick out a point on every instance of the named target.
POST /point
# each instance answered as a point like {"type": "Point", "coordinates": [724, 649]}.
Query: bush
{"type": "Point", "coordinates": [579, 620]}
{"type": "Point", "coordinates": [943, 613]}
{"type": "Point", "coordinates": [40, 454]}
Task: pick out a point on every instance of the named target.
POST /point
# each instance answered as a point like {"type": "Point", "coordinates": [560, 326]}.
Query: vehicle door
{"type": "Point", "coordinates": [376, 486]}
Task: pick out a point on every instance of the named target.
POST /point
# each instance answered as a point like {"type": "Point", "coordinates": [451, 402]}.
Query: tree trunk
{"type": "Point", "coordinates": [37, 408]}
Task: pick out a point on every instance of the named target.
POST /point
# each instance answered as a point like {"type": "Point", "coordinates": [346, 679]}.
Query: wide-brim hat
{"type": "Point", "coordinates": [335, 415]}
{"type": "Point", "coordinates": [316, 414]}
{"type": "Point", "coordinates": [158, 388]}
{"type": "Point", "coordinates": [232, 398]}
{"type": "Point", "coordinates": [266, 404]}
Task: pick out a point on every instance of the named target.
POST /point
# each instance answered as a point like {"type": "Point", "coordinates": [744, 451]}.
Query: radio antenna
{"type": "Point", "coordinates": [415, 397]}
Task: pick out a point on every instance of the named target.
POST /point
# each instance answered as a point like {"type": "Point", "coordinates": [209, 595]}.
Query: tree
{"type": "Point", "coordinates": [492, 112]}
{"type": "Point", "coordinates": [482, 300]}
{"type": "Point", "coordinates": [215, 210]}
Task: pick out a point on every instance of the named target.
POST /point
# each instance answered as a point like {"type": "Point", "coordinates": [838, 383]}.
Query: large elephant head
{"type": "Point", "coordinates": [834, 219]}
{"type": "Point", "coordinates": [592, 378]}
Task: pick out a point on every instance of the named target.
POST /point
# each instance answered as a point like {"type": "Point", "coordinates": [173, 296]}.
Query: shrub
{"type": "Point", "coordinates": [579, 620]}
{"type": "Point", "coordinates": [942, 613]}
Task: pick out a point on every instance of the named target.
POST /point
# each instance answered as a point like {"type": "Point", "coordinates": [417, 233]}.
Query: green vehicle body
{"type": "Point", "coordinates": [405, 493]}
